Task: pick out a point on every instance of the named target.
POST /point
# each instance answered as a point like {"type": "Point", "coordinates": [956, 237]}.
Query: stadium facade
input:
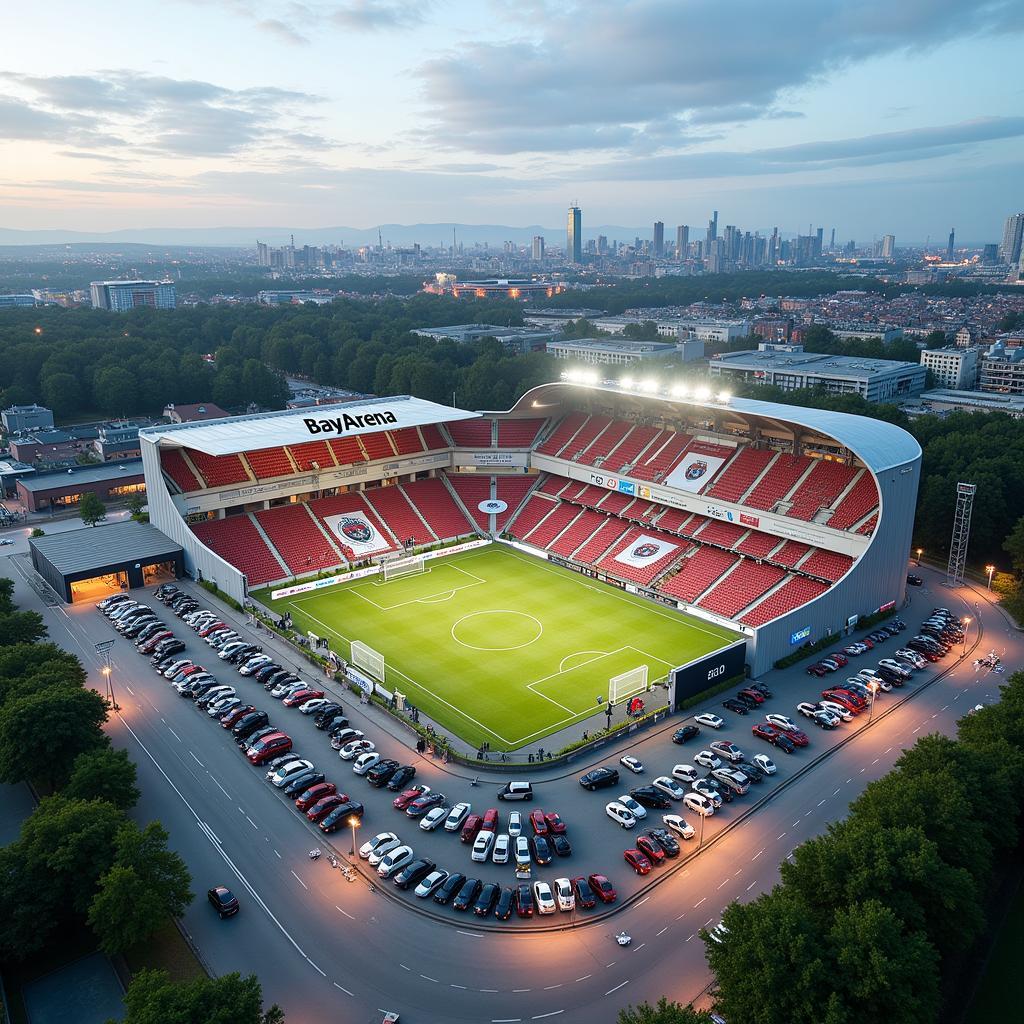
{"type": "Point", "coordinates": [780, 522]}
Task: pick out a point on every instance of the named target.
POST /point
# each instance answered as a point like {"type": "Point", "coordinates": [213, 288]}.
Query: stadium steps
{"type": "Point", "coordinates": [270, 546]}
{"type": "Point", "coordinates": [630, 449]}
{"type": "Point", "coordinates": [562, 434]}
{"type": "Point", "coordinates": [604, 540]}
{"type": "Point", "coordinates": [419, 514]}
{"type": "Point", "coordinates": [434, 503]}
{"type": "Point", "coordinates": [477, 488]}
{"type": "Point", "coordinates": [393, 508]}
{"type": "Point", "coordinates": [377, 446]}
{"type": "Point", "coordinates": [237, 540]}
{"type": "Point", "coordinates": [591, 430]}
{"type": "Point", "coordinates": [515, 491]}
{"type": "Point", "coordinates": [305, 454]}
{"type": "Point", "coordinates": [294, 535]}
{"type": "Point", "coordinates": [738, 615]}
{"type": "Point", "coordinates": [432, 437]}
{"type": "Point", "coordinates": [794, 592]}
{"type": "Point", "coordinates": [342, 558]}
{"type": "Point", "coordinates": [179, 470]}
{"type": "Point", "coordinates": [856, 504]}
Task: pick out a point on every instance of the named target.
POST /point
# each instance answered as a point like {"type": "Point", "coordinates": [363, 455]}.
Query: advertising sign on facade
{"type": "Point", "coordinates": [799, 636]}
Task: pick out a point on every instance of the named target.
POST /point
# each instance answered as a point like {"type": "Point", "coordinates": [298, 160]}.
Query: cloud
{"type": "Point", "coordinates": [378, 15]}
{"type": "Point", "coordinates": [278, 28]}
{"type": "Point", "coordinates": [601, 67]}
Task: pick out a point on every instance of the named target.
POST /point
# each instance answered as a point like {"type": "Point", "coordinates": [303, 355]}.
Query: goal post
{"type": "Point", "coordinates": [368, 660]}
{"type": "Point", "coordinates": [398, 567]}
{"type": "Point", "coordinates": [624, 686]}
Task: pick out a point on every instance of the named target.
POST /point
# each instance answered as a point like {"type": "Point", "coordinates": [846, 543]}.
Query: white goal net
{"type": "Point", "coordinates": [623, 686]}
{"type": "Point", "coordinates": [411, 566]}
{"type": "Point", "coordinates": [368, 660]}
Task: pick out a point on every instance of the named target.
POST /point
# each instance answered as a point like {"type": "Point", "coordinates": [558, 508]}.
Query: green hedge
{"type": "Point", "coordinates": [615, 730]}
{"type": "Point", "coordinates": [711, 691]}
{"type": "Point", "coordinates": [807, 650]}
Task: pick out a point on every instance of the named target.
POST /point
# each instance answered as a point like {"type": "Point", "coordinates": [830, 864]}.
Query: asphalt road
{"type": "Point", "coordinates": [330, 950]}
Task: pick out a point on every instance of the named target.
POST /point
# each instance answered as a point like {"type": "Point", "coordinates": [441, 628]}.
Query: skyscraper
{"type": "Point", "coordinates": [949, 245]}
{"type": "Point", "coordinates": [574, 235]}
{"type": "Point", "coordinates": [262, 254]}
{"type": "Point", "coordinates": [659, 238]}
{"type": "Point", "coordinates": [538, 248]}
{"type": "Point", "coordinates": [818, 241]}
{"type": "Point", "coordinates": [1013, 232]}
{"type": "Point", "coordinates": [713, 227]}
{"type": "Point", "coordinates": [682, 241]}
{"type": "Point", "coordinates": [888, 247]}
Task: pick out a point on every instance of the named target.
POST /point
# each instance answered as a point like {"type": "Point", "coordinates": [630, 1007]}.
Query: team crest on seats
{"type": "Point", "coordinates": [355, 529]}
{"type": "Point", "coordinates": [695, 470]}
{"type": "Point", "coordinates": [645, 550]}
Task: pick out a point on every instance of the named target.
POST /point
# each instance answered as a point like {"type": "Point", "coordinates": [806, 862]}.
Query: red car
{"type": "Point", "coordinates": [470, 827]}
{"type": "Point", "coordinates": [555, 824]}
{"type": "Point", "coordinates": [314, 793]}
{"type": "Point", "coordinates": [764, 731]}
{"type": "Point", "coordinates": [866, 642]}
{"type": "Point", "coordinates": [839, 658]}
{"type": "Point", "coordinates": [524, 900]}
{"type": "Point", "coordinates": [796, 735]}
{"type": "Point", "coordinates": [234, 715]}
{"type": "Point", "coordinates": [490, 820]}
{"type": "Point", "coordinates": [300, 697]}
{"type": "Point", "coordinates": [755, 695]}
{"type": "Point", "coordinates": [270, 746]}
{"type": "Point", "coordinates": [650, 849]}
{"type": "Point", "coordinates": [637, 861]}
{"type": "Point", "coordinates": [405, 798]}
{"type": "Point", "coordinates": [325, 805]}
{"type": "Point", "coordinates": [603, 889]}
{"type": "Point", "coordinates": [818, 669]}
{"type": "Point", "coordinates": [207, 630]}
{"type": "Point", "coordinates": [539, 822]}
{"type": "Point", "coordinates": [854, 698]}
{"type": "Point", "coordinates": [842, 699]}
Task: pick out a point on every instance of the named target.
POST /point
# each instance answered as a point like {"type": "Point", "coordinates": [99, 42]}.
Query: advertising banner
{"type": "Point", "coordinates": [493, 506]}
{"type": "Point", "coordinates": [354, 530]}
{"type": "Point", "coordinates": [645, 550]}
{"type": "Point", "coordinates": [694, 471]}
{"type": "Point", "coordinates": [799, 636]}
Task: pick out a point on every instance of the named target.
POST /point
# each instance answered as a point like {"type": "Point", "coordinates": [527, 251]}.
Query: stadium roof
{"type": "Point", "coordinates": [293, 426]}
{"type": "Point", "coordinates": [879, 445]}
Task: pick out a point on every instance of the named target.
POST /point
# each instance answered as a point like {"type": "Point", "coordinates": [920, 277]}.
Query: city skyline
{"type": "Point", "coordinates": [383, 111]}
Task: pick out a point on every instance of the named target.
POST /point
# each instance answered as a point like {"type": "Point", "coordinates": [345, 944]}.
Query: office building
{"type": "Point", "coordinates": [262, 254]}
{"type": "Point", "coordinates": [791, 368]}
{"type": "Point", "coordinates": [16, 301]}
{"type": "Point", "coordinates": [1002, 370]}
{"type": "Point", "coordinates": [537, 253]}
{"type": "Point", "coordinates": [990, 254]}
{"type": "Point", "coordinates": [519, 340]}
{"type": "Point", "coordinates": [888, 247]}
{"type": "Point", "coordinates": [121, 296]}
{"type": "Point", "coordinates": [659, 238]}
{"type": "Point", "coordinates": [682, 241]}
{"type": "Point", "coordinates": [574, 235]}
{"type": "Point", "coordinates": [614, 351]}
{"type": "Point", "coordinates": [1013, 233]}
{"type": "Point", "coordinates": [950, 244]}
{"type": "Point", "coordinates": [713, 227]}
{"type": "Point", "coordinates": [844, 330]}
{"type": "Point", "coordinates": [953, 368]}
{"type": "Point", "coordinates": [26, 417]}
{"type": "Point", "coordinates": [942, 401]}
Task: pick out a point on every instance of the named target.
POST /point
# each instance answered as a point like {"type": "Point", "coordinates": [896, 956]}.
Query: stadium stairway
{"type": "Point", "coordinates": [294, 535]}
{"type": "Point", "coordinates": [467, 491]}
{"type": "Point", "coordinates": [240, 541]}
{"type": "Point", "coordinates": [435, 505]}
{"type": "Point", "coordinates": [402, 518]}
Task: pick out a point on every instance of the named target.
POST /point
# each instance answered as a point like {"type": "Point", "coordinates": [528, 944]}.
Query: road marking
{"type": "Point", "coordinates": [640, 903]}
{"type": "Point", "coordinates": [315, 968]}
{"type": "Point", "coordinates": [221, 788]}
{"type": "Point", "coordinates": [209, 831]}
{"type": "Point", "coordinates": [703, 900]}
{"type": "Point", "coordinates": [522, 990]}
{"type": "Point", "coordinates": [887, 749]}
{"type": "Point", "coordinates": [351, 918]}
{"type": "Point", "coordinates": [912, 731]}
{"type": "Point", "coordinates": [794, 825]}
{"type": "Point", "coordinates": [492, 991]}
{"type": "Point", "coordinates": [253, 823]}
{"type": "Point", "coordinates": [836, 793]}
{"type": "Point", "coordinates": [129, 689]}
{"type": "Point", "coordinates": [811, 811]}
{"type": "Point", "coordinates": [638, 948]}
{"type": "Point", "coordinates": [724, 882]}
{"type": "Point", "coordinates": [848, 781]}
{"type": "Point", "coordinates": [688, 937]}
{"type": "Point", "coordinates": [681, 916]}
{"type": "Point", "coordinates": [611, 990]}
{"type": "Point", "coordinates": [345, 990]}
{"type": "Point", "coordinates": [585, 977]}
{"type": "Point", "coordinates": [751, 886]}
{"type": "Point", "coordinates": [174, 734]}
{"type": "Point", "coordinates": [505, 1020]}
{"type": "Point", "coordinates": [708, 921]}
{"type": "Point", "coordinates": [876, 760]}
{"type": "Point", "coordinates": [945, 706]}
{"type": "Point", "coordinates": [783, 836]}
{"type": "Point", "coordinates": [300, 881]}
{"type": "Point", "coordinates": [472, 935]}
{"type": "Point", "coordinates": [553, 1013]}
{"type": "Point", "coordinates": [548, 988]}
{"type": "Point", "coordinates": [820, 802]}
{"type": "Point", "coordinates": [428, 978]}
{"type": "Point", "coordinates": [935, 715]}
{"type": "Point", "coordinates": [863, 770]}
{"type": "Point", "coordinates": [277, 855]}
{"type": "Point", "coordinates": [453, 985]}
{"type": "Point", "coordinates": [662, 932]}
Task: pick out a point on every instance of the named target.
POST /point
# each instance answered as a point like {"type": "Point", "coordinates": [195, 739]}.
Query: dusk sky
{"type": "Point", "coordinates": [882, 115]}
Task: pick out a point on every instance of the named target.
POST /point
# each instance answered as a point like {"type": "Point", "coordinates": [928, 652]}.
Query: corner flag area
{"type": "Point", "coordinates": [499, 647]}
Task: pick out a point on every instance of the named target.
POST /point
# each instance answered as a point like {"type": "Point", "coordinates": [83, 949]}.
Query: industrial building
{"type": "Point", "coordinates": [64, 488]}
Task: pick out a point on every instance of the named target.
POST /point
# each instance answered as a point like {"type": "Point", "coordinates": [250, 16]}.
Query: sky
{"type": "Point", "coordinates": [875, 116]}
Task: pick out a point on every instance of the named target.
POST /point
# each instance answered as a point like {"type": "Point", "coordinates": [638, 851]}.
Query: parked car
{"type": "Point", "coordinates": [467, 894]}
{"type": "Point", "coordinates": [710, 720]}
{"type": "Point", "coordinates": [686, 733]}
{"type": "Point", "coordinates": [679, 825]}
{"type": "Point", "coordinates": [620, 814]}
{"type": "Point", "coordinates": [631, 763]}
{"type": "Point", "coordinates": [599, 778]}
{"type": "Point", "coordinates": [602, 888]}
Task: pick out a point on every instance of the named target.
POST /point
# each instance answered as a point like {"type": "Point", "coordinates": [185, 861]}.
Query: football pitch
{"type": "Point", "coordinates": [499, 647]}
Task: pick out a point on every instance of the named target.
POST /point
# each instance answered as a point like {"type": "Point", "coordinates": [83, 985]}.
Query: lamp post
{"type": "Point", "coordinates": [354, 824]}
{"type": "Point", "coordinates": [103, 648]}
{"type": "Point", "coordinates": [920, 552]}
{"type": "Point", "coordinates": [873, 687]}
{"type": "Point", "coordinates": [990, 569]}
{"type": "Point", "coordinates": [700, 840]}
{"type": "Point", "coordinates": [965, 621]}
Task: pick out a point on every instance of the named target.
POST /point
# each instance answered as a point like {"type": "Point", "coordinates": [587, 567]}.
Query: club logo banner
{"type": "Point", "coordinates": [645, 550]}
{"type": "Point", "coordinates": [493, 506]}
{"type": "Point", "coordinates": [694, 472]}
{"type": "Point", "coordinates": [355, 531]}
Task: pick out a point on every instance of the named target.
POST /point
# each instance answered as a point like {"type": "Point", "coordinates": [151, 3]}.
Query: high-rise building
{"type": "Point", "coordinates": [950, 245]}
{"type": "Point", "coordinates": [832, 241]}
{"type": "Point", "coordinates": [773, 247]}
{"type": "Point", "coordinates": [990, 254]}
{"type": "Point", "coordinates": [574, 235]}
{"type": "Point", "coordinates": [659, 238]}
{"type": "Point", "coordinates": [888, 247]}
{"type": "Point", "coordinates": [713, 227]}
{"type": "Point", "coordinates": [682, 241]}
{"type": "Point", "coordinates": [1013, 233]}
{"type": "Point", "coordinates": [818, 241]}
{"type": "Point", "coordinates": [538, 248]}
{"type": "Point", "coordinates": [602, 245]}
{"type": "Point", "coordinates": [263, 254]}
{"type": "Point", "coordinates": [120, 296]}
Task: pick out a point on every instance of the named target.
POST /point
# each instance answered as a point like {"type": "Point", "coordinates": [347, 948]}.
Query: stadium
{"type": "Point", "coordinates": [508, 573]}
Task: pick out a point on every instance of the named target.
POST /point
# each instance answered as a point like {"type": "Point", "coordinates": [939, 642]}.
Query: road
{"type": "Point", "coordinates": [326, 949]}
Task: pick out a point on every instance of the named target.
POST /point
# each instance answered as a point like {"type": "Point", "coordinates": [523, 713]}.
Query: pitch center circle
{"type": "Point", "coordinates": [497, 630]}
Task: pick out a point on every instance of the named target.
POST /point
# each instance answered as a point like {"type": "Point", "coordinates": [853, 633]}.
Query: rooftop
{"type": "Point", "coordinates": [622, 345]}
{"type": "Point", "coordinates": [101, 472]}
{"type": "Point", "coordinates": [78, 550]}
{"type": "Point", "coordinates": [813, 362]}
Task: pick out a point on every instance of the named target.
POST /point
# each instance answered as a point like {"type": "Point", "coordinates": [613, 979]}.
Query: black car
{"type": "Point", "coordinates": [721, 789]}
{"type": "Point", "coordinates": [561, 845]}
{"type": "Point", "coordinates": [485, 901]}
{"type": "Point", "coordinates": [892, 678]}
{"type": "Point", "coordinates": [247, 741]}
{"type": "Point", "coordinates": [600, 778]}
{"type": "Point", "coordinates": [298, 784]}
{"type": "Point", "coordinates": [401, 777]}
{"type": "Point", "coordinates": [339, 817]}
{"type": "Point", "coordinates": [170, 646]}
{"type": "Point", "coordinates": [414, 872]}
{"type": "Point", "coordinates": [449, 887]}
{"type": "Point", "coordinates": [761, 688]}
{"type": "Point", "coordinates": [752, 772]}
{"type": "Point", "coordinates": [688, 732]}
{"type": "Point", "coordinates": [665, 840]}
{"type": "Point", "coordinates": [734, 705]}
{"type": "Point", "coordinates": [243, 654]}
{"type": "Point", "coordinates": [541, 849]}
{"type": "Point", "coordinates": [270, 673]}
{"type": "Point", "coordinates": [913, 580]}
{"type": "Point", "coordinates": [249, 723]}
{"type": "Point", "coordinates": [648, 796]}
{"type": "Point", "coordinates": [747, 701]}
{"type": "Point", "coordinates": [783, 742]}
{"type": "Point", "coordinates": [379, 774]}
{"type": "Point", "coordinates": [222, 900]}
{"type": "Point", "coordinates": [467, 894]}
{"type": "Point", "coordinates": [325, 714]}
{"type": "Point", "coordinates": [335, 724]}
{"type": "Point", "coordinates": [503, 910]}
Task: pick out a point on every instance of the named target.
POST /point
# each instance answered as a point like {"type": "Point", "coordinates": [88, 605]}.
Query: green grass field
{"type": "Point", "coordinates": [500, 647]}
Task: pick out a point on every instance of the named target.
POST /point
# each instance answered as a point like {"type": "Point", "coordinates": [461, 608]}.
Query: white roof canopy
{"type": "Point", "coordinates": [294, 426]}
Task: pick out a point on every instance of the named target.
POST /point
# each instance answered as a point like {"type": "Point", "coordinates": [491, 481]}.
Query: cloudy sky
{"type": "Point", "coordinates": [872, 116]}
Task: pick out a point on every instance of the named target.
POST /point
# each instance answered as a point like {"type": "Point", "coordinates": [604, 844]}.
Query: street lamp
{"type": "Point", "coordinates": [700, 841]}
{"type": "Point", "coordinates": [354, 824]}
{"type": "Point", "coordinates": [920, 552]}
{"type": "Point", "coordinates": [990, 569]}
{"type": "Point", "coordinates": [103, 648]}
{"type": "Point", "coordinates": [873, 687]}
{"type": "Point", "coordinates": [965, 621]}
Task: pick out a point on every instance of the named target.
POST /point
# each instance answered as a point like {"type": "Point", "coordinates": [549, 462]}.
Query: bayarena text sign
{"type": "Point", "coordinates": [339, 424]}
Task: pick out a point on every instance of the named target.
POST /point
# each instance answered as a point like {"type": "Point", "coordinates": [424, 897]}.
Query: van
{"type": "Point", "coordinates": [516, 791]}
{"type": "Point", "coordinates": [736, 781]}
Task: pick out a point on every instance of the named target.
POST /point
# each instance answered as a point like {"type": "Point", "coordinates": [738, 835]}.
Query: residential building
{"type": "Point", "coordinates": [874, 332]}
{"type": "Point", "coordinates": [26, 417]}
{"type": "Point", "coordinates": [193, 413]}
{"type": "Point", "coordinates": [953, 368]}
{"type": "Point", "coordinates": [121, 296]}
{"type": "Point", "coordinates": [941, 401]}
{"type": "Point", "coordinates": [1002, 370]}
{"type": "Point", "coordinates": [537, 253]}
{"type": "Point", "coordinates": [614, 351]}
{"type": "Point", "coordinates": [888, 247]}
{"type": "Point", "coordinates": [574, 235]}
{"type": "Point", "coordinates": [682, 241]}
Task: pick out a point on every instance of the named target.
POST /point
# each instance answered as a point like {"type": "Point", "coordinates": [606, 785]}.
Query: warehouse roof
{"type": "Point", "coordinates": [95, 474]}
{"type": "Point", "coordinates": [100, 546]}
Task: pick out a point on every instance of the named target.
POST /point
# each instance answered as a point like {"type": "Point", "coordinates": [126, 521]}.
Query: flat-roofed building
{"type": "Point", "coordinates": [955, 368]}
{"type": "Point", "coordinates": [614, 351]}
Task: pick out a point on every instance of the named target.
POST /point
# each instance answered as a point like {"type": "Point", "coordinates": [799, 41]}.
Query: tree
{"type": "Point", "coordinates": [21, 627]}
{"type": "Point", "coordinates": [152, 998]}
{"type": "Point", "coordinates": [104, 774]}
{"type": "Point", "coordinates": [115, 390]}
{"type": "Point", "coordinates": [663, 1013]}
{"type": "Point", "coordinates": [62, 392]}
{"type": "Point", "coordinates": [43, 733]}
{"type": "Point", "coordinates": [91, 509]}
{"type": "Point", "coordinates": [30, 905]}
{"type": "Point", "coordinates": [37, 532]}
{"type": "Point", "coordinates": [6, 595]}
{"type": "Point", "coordinates": [1014, 547]}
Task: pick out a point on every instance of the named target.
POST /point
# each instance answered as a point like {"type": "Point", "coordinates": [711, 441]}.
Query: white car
{"type": "Point", "coordinates": [172, 670]}
{"type": "Point", "coordinates": [430, 884]}
{"type": "Point", "coordinates": [636, 809]}
{"type": "Point", "coordinates": [222, 706]}
{"type": "Point", "coordinates": [765, 763]}
{"type": "Point", "coordinates": [634, 764]}
{"type": "Point", "coordinates": [522, 851]}
{"type": "Point", "coordinates": [355, 748]}
{"type": "Point", "coordinates": [894, 666]}
{"type": "Point", "coordinates": [543, 898]}
{"type": "Point", "coordinates": [288, 770]}
{"type": "Point", "coordinates": [727, 750]}
{"type": "Point", "coordinates": [380, 839]}
{"type": "Point", "coordinates": [869, 678]}
{"type": "Point", "coordinates": [255, 663]}
{"type": "Point", "coordinates": [564, 894]}
{"type": "Point", "coordinates": [347, 735]}
{"type": "Point", "coordinates": [364, 762]}
{"type": "Point", "coordinates": [434, 817]}
{"type": "Point", "coordinates": [515, 824]}
{"type": "Point", "coordinates": [669, 787]}
{"type": "Point", "coordinates": [781, 722]}
{"type": "Point", "coordinates": [311, 707]}
{"type": "Point", "coordinates": [456, 816]}
{"type": "Point", "coordinates": [808, 709]}
{"type": "Point", "coordinates": [845, 714]}
{"type": "Point", "coordinates": [482, 846]}
{"type": "Point", "coordinates": [394, 861]}
{"type": "Point", "coordinates": [502, 848]}
{"type": "Point", "coordinates": [684, 773]}
{"type": "Point", "coordinates": [619, 814]}
{"type": "Point", "coordinates": [679, 825]}
{"type": "Point", "coordinates": [283, 690]}
{"type": "Point", "coordinates": [706, 759]}
{"type": "Point", "coordinates": [699, 804]}
{"type": "Point", "coordinates": [711, 721]}
{"type": "Point", "coordinates": [915, 659]}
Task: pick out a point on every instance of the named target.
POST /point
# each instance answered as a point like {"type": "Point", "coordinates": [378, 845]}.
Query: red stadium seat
{"type": "Point", "coordinates": [433, 438]}
{"type": "Point", "coordinates": [828, 565]}
{"type": "Point", "coordinates": [735, 478]}
{"type": "Point", "coordinates": [744, 585]}
{"type": "Point", "coordinates": [393, 507]}
{"type": "Point", "coordinates": [782, 475]}
{"type": "Point", "coordinates": [820, 488]}
{"type": "Point", "coordinates": [697, 573]}
{"type": "Point", "coordinates": [267, 463]}
{"type": "Point", "coordinates": [796, 591]}
{"type": "Point", "coordinates": [472, 488]}
{"type": "Point", "coordinates": [219, 470]}
{"type": "Point", "coordinates": [563, 433]}
{"type": "Point", "coordinates": [298, 539]}
{"type": "Point", "coordinates": [310, 452]}
{"type": "Point", "coordinates": [237, 541]}
{"type": "Point", "coordinates": [406, 441]}
{"type": "Point", "coordinates": [377, 446]}
{"type": "Point", "coordinates": [857, 504]}
{"type": "Point", "coordinates": [437, 506]}
{"type": "Point", "coordinates": [519, 433]}
{"type": "Point", "coordinates": [173, 463]}
{"type": "Point", "coordinates": [471, 433]}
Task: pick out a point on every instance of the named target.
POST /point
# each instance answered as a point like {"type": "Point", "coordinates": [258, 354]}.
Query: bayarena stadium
{"type": "Point", "coordinates": [507, 573]}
